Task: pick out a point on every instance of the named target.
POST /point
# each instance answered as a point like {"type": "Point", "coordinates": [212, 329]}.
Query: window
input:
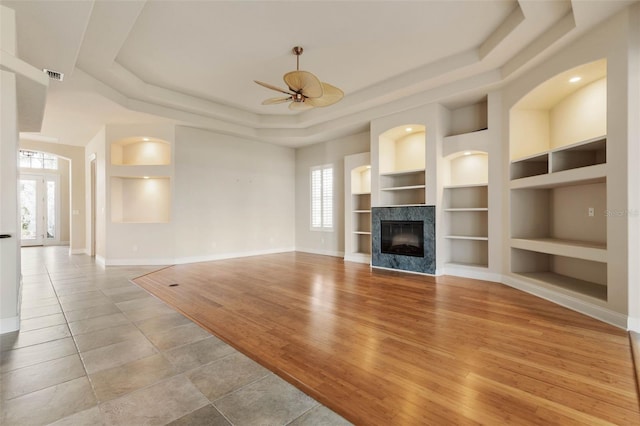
{"type": "Point", "coordinates": [322, 198]}
{"type": "Point", "coordinates": [37, 160]}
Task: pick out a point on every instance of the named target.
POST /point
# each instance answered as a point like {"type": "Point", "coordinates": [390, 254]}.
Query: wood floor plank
{"type": "Point", "coordinates": [384, 347]}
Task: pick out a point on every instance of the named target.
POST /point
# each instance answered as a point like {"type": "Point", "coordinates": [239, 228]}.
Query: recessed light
{"type": "Point", "coordinates": [467, 153]}
{"type": "Point", "coordinates": [408, 129]}
{"type": "Point", "coordinates": [145, 139]}
{"type": "Point", "coordinates": [368, 167]}
{"type": "Point", "coordinates": [145, 177]}
{"type": "Point", "coordinates": [575, 79]}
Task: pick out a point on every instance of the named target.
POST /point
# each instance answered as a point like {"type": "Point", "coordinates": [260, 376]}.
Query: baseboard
{"type": "Point", "coordinates": [191, 259]}
{"type": "Point", "coordinates": [321, 252]}
{"type": "Point", "coordinates": [139, 262]}
{"type": "Point", "coordinates": [575, 304]}
{"type": "Point", "coordinates": [78, 251]}
{"type": "Point", "coordinates": [7, 325]}
{"type": "Point", "coordinates": [476, 273]}
{"type": "Point", "coordinates": [362, 258]}
{"type": "Point", "coordinates": [223, 256]}
{"type": "Point", "coordinates": [633, 324]}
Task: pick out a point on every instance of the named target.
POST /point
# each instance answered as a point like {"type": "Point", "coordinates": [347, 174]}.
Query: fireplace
{"type": "Point", "coordinates": [404, 238]}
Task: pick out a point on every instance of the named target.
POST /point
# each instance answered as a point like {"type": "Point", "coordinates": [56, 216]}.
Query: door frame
{"type": "Point", "coordinates": [41, 206]}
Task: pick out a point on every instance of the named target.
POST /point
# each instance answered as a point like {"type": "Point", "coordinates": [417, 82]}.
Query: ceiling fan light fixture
{"type": "Point", "coordinates": [306, 91]}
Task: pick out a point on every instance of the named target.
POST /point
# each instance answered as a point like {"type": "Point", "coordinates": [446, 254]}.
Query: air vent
{"type": "Point", "coordinates": [54, 75]}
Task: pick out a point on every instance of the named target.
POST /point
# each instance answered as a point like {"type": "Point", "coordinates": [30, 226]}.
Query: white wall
{"type": "Point", "coordinates": [9, 247]}
{"type": "Point", "coordinates": [330, 152]}
{"type": "Point", "coordinates": [633, 120]}
{"type": "Point", "coordinates": [96, 148]}
{"type": "Point", "coordinates": [233, 197]}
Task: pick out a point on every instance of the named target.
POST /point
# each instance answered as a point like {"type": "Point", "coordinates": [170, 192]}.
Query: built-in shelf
{"type": "Point", "coordinates": [466, 237]}
{"type": "Point", "coordinates": [469, 209]}
{"type": "Point", "coordinates": [401, 166]}
{"type": "Point", "coordinates": [466, 219]}
{"type": "Point", "coordinates": [140, 151]}
{"type": "Point", "coordinates": [140, 200]}
{"type": "Point", "coordinates": [403, 172]}
{"type": "Point", "coordinates": [530, 166]}
{"type": "Point", "coordinates": [559, 186]}
{"type": "Point", "coordinates": [584, 175]}
{"type": "Point", "coordinates": [564, 282]}
{"type": "Point", "coordinates": [403, 188]}
{"type": "Point", "coordinates": [568, 272]}
{"type": "Point", "coordinates": [549, 166]}
{"type": "Point", "coordinates": [358, 208]}
{"type": "Point", "coordinates": [578, 249]}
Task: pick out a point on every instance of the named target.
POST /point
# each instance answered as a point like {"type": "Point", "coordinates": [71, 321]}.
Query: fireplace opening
{"type": "Point", "coordinates": [402, 237]}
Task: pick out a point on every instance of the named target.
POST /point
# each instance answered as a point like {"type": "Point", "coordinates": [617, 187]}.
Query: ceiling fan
{"type": "Point", "coordinates": [306, 91]}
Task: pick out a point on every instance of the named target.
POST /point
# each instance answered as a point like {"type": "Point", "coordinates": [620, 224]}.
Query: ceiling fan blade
{"type": "Point", "coordinates": [305, 83]}
{"type": "Point", "coordinates": [331, 95]}
{"type": "Point", "coordinates": [299, 106]}
{"type": "Point", "coordinates": [272, 87]}
{"type": "Point", "coordinates": [272, 101]}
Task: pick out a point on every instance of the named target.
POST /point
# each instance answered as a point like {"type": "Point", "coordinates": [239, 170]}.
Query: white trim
{"type": "Point", "coordinates": [358, 258]}
{"type": "Point", "coordinates": [138, 262]}
{"type": "Point", "coordinates": [575, 304]}
{"type": "Point", "coordinates": [633, 324]}
{"type": "Point", "coordinates": [78, 251]}
{"type": "Point", "coordinates": [208, 258]}
{"type": "Point", "coordinates": [7, 325]}
{"type": "Point", "coordinates": [193, 259]}
{"type": "Point", "coordinates": [321, 252]}
{"type": "Point", "coordinates": [472, 272]}
{"type": "Point", "coordinates": [100, 260]}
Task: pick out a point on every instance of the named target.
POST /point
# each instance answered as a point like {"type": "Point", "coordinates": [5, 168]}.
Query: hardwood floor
{"type": "Point", "coordinates": [383, 348]}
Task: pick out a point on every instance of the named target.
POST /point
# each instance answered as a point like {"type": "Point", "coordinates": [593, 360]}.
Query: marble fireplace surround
{"type": "Point", "coordinates": [426, 264]}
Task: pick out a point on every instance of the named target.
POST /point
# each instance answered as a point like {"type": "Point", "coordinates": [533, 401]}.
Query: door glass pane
{"type": "Point", "coordinates": [51, 209]}
{"type": "Point", "coordinates": [28, 209]}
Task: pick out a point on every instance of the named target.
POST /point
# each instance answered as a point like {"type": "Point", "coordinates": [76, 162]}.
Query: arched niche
{"type": "Point", "coordinates": [140, 151]}
{"type": "Point", "coordinates": [566, 109]}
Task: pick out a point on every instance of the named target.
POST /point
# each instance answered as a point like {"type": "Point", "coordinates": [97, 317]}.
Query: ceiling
{"type": "Point", "coordinates": [194, 62]}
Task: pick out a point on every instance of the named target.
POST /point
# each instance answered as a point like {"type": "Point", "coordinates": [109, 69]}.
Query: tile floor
{"type": "Point", "coordinates": [96, 349]}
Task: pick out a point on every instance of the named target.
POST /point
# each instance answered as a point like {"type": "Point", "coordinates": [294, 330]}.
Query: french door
{"type": "Point", "coordinates": [39, 211]}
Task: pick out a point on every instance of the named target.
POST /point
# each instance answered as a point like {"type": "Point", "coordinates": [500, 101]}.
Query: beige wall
{"type": "Point", "coordinates": [233, 197]}
{"type": "Point", "coordinates": [331, 152]}
{"type": "Point", "coordinates": [72, 191]}
{"type": "Point", "coordinates": [580, 116]}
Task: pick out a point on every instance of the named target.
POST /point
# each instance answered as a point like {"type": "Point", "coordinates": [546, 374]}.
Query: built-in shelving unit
{"type": "Point", "coordinates": [465, 200]}
{"type": "Point", "coordinates": [403, 187]}
{"type": "Point", "coordinates": [559, 191]}
{"type": "Point", "coordinates": [358, 208]}
{"type": "Point", "coordinates": [467, 233]}
{"type": "Point", "coordinates": [140, 180]}
{"type": "Point", "coordinates": [402, 166]}
{"type": "Point", "coordinates": [140, 151]}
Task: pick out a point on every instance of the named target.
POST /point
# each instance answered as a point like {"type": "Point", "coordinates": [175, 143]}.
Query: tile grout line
{"type": "Point", "coordinates": [84, 367]}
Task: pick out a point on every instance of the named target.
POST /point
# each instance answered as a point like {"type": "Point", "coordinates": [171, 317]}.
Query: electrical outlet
{"type": "Point", "coordinates": [591, 212]}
